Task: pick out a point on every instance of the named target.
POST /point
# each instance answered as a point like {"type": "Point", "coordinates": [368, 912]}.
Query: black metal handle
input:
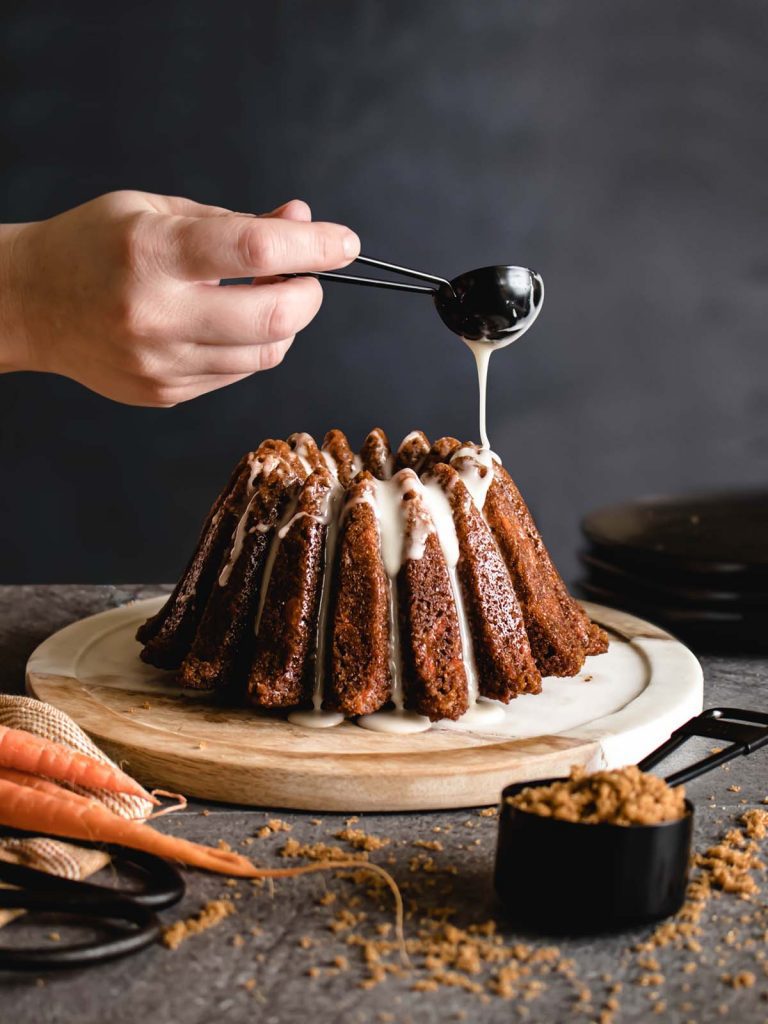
{"type": "Point", "coordinates": [747, 731]}
{"type": "Point", "coordinates": [372, 282]}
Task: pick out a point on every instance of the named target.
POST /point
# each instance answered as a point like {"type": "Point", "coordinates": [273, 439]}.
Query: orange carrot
{"type": "Point", "coordinates": [36, 810]}
{"type": "Point", "coordinates": [40, 784]}
{"type": "Point", "coordinates": [30, 753]}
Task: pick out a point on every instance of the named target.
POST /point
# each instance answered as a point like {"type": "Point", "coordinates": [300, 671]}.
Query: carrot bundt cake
{"type": "Point", "coordinates": [341, 584]}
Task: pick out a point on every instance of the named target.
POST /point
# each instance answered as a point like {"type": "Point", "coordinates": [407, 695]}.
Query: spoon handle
{"type": "Point", "coordinates": [371, 282]}
{"type": "Point", "coordinates": [394, 269]}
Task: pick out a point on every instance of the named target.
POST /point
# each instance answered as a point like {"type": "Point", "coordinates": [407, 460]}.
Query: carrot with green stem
{"type": "Point", "coordinates": [29, 753]}
{"type": "Point", "coordinates": [34, 809]}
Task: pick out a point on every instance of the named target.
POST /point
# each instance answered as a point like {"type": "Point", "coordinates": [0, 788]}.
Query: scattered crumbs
{"type": "Point", "coordinates": [273, 826]}
{"type": "Point", "coordinates": [249, 984]}
{"type": "Point", "coordinates": [255, 930]}
{"type": "Point", "coordinates": [756, 823]}
{"type": "Point", "coordinates": [205, 812]}
{"type": "Point", "coordinates": [716, 750]}
{"type": "Point", "coordinates": [306, 942]}
{"type": "Point", "coordinates": [213, 913]}
{"type": "Point", "coordinates": [248, 841]}
{"type": "Point", "coordinates": [316, 851]}
{"type": "Point", "coordinates": [238, 941]}
{"type": "Point", "coordinates": [54, 936]}
{"type": "Point", "coordinates": [223, 845]}
{"type": "Point", "coordinates": [587, 679]}
{"type": "Point", "coordinates": [146, 706]}
{"type": "Point", "coordinates": [744, 979]}
{"type": "Point", "coordinates": [351, 821]}
{"type": "Point", "coordinates": [315, 821]}
{"type": "Point", "coordinates": [488, 812]}
{"type": "Point", "coordinates": [690, 967]}
{"type": "Point", "coordinates": [734, 789]}
{"type": "Point", "coordinates": [429, 844]}
{"type": "Point", "coordinates": [327, 899]}
{"type": "Point", "coordinates": [361, 840]}
{"type": "Point", "coordinates": [313, 972]}
{"type": "Point", "coordinates": [341, 962]}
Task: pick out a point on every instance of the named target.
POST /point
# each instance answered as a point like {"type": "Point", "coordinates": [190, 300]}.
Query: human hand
{"type": "Point", "coordinates": [121, 294]}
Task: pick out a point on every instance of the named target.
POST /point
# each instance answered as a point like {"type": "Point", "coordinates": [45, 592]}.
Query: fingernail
{"type": "Point", "coordinates": [350, 243]}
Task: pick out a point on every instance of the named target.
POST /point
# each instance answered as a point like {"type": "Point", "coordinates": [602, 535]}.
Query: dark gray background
{"type": "Point", "coordinates": [617, 147]}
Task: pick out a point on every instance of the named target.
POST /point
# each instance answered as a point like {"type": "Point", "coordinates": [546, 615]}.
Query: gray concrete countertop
{"type": "Point", "coordinates": [285, 955]}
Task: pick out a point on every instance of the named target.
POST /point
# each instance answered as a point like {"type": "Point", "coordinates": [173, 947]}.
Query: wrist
{"type": "Point", "coordinates": [15, 351]}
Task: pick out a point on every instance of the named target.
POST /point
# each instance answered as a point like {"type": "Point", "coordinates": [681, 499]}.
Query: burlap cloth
{"type": "Point", "coordinates": [52, 855]}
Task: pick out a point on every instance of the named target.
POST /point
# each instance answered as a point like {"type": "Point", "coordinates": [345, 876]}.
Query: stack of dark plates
{"type": "Point", "coordinates": [697, 565]}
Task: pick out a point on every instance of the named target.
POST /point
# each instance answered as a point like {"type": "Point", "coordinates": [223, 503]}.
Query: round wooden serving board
{"type": "Point", "coordinates": [622, 705]}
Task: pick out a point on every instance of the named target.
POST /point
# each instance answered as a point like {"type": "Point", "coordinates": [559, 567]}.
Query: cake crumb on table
{"type": "Point", "coordinates": [273, 826]}
{"type": "Point", "coordinates": [361, 840]}
{"type": "Point", "coordinates": [213, 913]}
{"type": "Point", "coordinates": [744, 979]}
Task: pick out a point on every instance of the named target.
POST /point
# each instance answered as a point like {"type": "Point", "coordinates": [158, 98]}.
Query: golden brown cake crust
{"type": "Point", "coordinates": [282, 670]}
{"type": "Point", "coordinates": [168, 635]}
{"type": "Point", "coordinates": [560, 632]}
{"type": "Point", "coordinates": [359, 681]}
{"type": "Point", "coordinates": [412, 452]}
{"type": "Point", "coordinates": [434, 679]}
{"type": "Point", "coordinates": [223, 644]}
{"type": "Point", "coordinates": [338, 447]}
{"type": "Point", "coordinates": [376, 454]}
{"type": "Point", "coordinates": [501, 650]}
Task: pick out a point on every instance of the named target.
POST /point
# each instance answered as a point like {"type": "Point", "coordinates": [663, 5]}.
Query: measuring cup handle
{"type": "Point", "coordinates": [747, 731]}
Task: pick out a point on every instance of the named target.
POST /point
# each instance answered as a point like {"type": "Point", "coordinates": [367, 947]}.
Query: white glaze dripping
{"type": "Point", "coordinates": [241, 532]}
{"type": "Point", "coordinates": [270, 562]}
{"type": "Point", "coordinates": [482, 351]}
{"type": "Point", "coordinates": [440, 509]}
{"type": "Point", "coordinates": [475, 469]}
{"type": "Point", "coordinates": [390, 514]}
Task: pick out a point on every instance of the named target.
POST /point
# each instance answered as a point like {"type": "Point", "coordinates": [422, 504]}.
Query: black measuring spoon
{"type": "Point", "coordinates": [568, 878]}
{"type": "Point", "coordinates": [491, 304]}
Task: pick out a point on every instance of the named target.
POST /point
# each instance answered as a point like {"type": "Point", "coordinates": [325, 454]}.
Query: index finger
{"type": "Point", "coordinates": [198, 249]}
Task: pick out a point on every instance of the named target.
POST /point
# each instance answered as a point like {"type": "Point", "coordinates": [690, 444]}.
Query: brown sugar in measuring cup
{"type": "Point", "coordinates": [584, 870]}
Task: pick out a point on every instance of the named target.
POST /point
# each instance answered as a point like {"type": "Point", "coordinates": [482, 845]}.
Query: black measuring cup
{"type": "Point", "coordinates": [567, 877]}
